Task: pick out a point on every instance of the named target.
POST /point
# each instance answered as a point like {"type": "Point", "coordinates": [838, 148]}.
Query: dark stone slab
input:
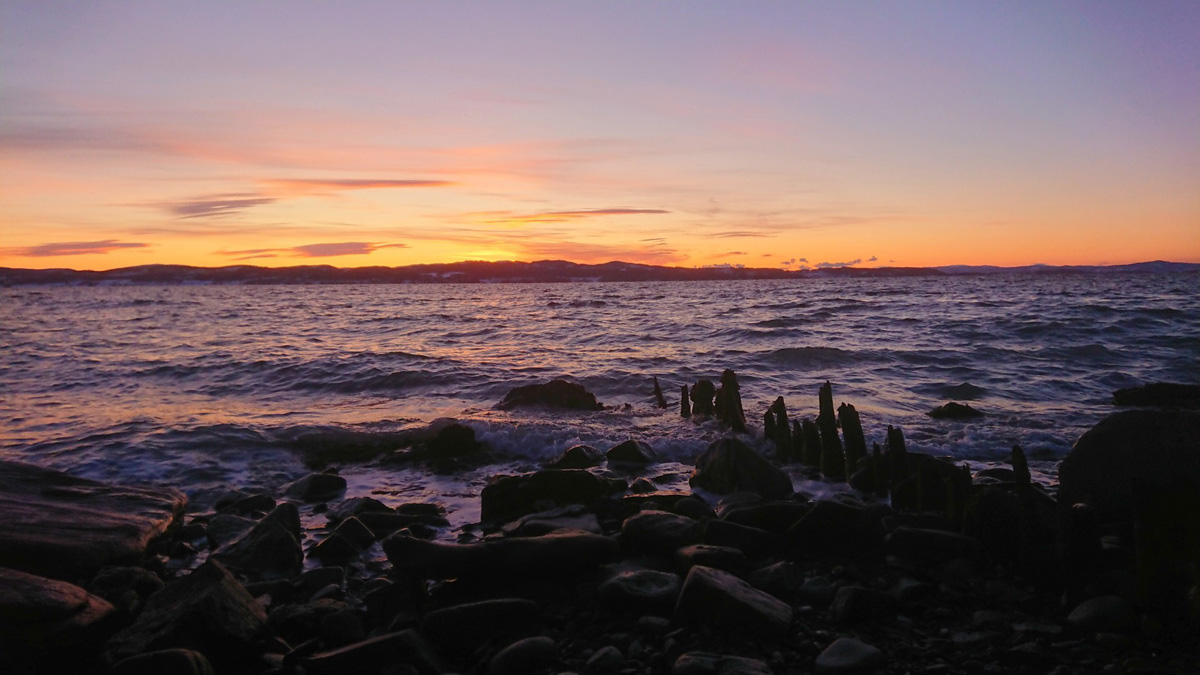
{"type": "Point", "coordinates": [63, 527]}
{"type": "Point", "coordinates": [40, 618]}
{"type": "Point", "coordinates": [717, 598]}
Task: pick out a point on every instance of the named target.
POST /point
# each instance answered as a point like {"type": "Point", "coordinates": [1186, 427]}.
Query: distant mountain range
{"type": "Point", "coordinates": [544, 271]}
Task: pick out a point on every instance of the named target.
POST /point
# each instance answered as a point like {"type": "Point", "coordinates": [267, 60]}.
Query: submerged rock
{"type": "Point", "coordinates": [59, 526]}
{"type": "Point", "coordinates": [553, 394]}
{"type": "Point", "coordinates": [954, 411]}
{"type": "Point", "coordinates": [729, 465]}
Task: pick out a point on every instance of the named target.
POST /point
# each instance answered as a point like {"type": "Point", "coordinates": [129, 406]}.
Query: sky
{"type": "Point", "coordinates": [765, 134]}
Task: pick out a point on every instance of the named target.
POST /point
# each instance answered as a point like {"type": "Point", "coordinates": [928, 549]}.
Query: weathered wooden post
{"type": "Point", "coordinates": [658, 394]}
{"type": "Point", "coordinates": [729, 402]}
{"type": "Point", "coordinates": [685, 409]}
{"type": "Point", "coordinates": [782, 431]}
{"type": "Point", "coordinates": [856, 442]}
{"type": "Point", "coordinates": [702, 398]}
{"type": "Point", "coordinates": [811, 455]}
{"type": "Point", "coordinates": [833, 460]}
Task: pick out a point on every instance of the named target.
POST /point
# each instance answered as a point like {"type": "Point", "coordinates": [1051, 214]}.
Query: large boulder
{"type": "Point", "coordinates": [553, 394]}
{"type": "Point", "coordinates": [59, 526]}
{"type": "Point", "coordinates": [207, 611]}
{"type": "Point", "coordinates": [640, 592]}
{"type": "Point", "coordinates": [660, 533]}
{"type": "Point", "coordinates": [729, 465]}
{"type": "Point", "coordinates": [46, 621]}
{"type": "Point", "coordinates": [632, 452]}
{"type": "Point", "coordinates": [1161, 395]}
{"type": "Point", "coordinates": [1129, 455]}
{"type": "Point", "coordinates": [713, 597]}
{"type": "Point", "coordinates": [560, 553]}
{"type": "Point", "coordinates": [506, 498]}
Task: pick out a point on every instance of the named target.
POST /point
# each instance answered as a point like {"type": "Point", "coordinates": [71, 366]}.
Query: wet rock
{"type": "Point", "coordinates": [847, 655]}
{"type": "Point", "coordinates": [717, 598]}
{"type": "Point", "coordinates": [854, 604]}
{"type": "Point", "coordinates": [435, 559]}
{"type": "Point", "coordinates": [385, 522]}
{"type": "Point", "coordinates": [318, 578]}
{"type": "Point", "coordinates": [954, 411]}
{"type": "Point", "coordinates": [45, 622]}
{"type": "Point", "coordinates": [524, 656]}
{"type": "Point", "coordinates": [376, 655]}
{"type": "Point", "coordinates": [62, 527]}
{"type": "Point", "coordinates": [833, 528]}
{"type": "Point", "coordinates": [693, 507]}
{"type": "Point", "coordinates": [174, 661]}
{"type": "Point", "coordinates": [659, 533]}
{"type": "Point", "coordinates": [573, 517]}
{"type": "Point", "coordinates": [632, 452]}
{"type": "Point", "coordinates": [643, 486]}
{"type": "Point", "coordinates": [454, 441]}
{"type": "Point", "coordinates": [1105, 614]}
{"type": "Point", "coordinates": [316, 487]}
{"type": "Point", "coordinates": [299, 622]}
{"type": "Point", "coordinates": [707, 663]}
{"type": "Point", "coordinates": [1160, 394]}
{"type": "Point", "coordinates": [506, 498]}
{"type": "Point", "coordinates": [560, 553]}
{"type": "Point", "coordinates": [269, 549]}
{"type": "Point", "coordinates": [723, 558]}
{"type": "Point", "coordinates": [343, 627]}
{"type": "Point", "coordinates": [126, 588]}
{"type": "Point", "coordinates": [207, 611]}
{"type": "Point", "coordinates": [462, 626]}
{"type": "Point", "coordinates": [1145, 448]}
{"type": "Point", "coordinates": [607, 659]}
{"type": "Point", "coordinates": [345, 543]}
{"type": "Point", "coordinates": [553, 394]}
{"type": "Point", "coordinates": [577, 457]}
{"type": "Point", "coordinates": [641, 591]}
{"type": "Point", "coordinates": [751, 541]}
{"type": "Point", "coordinates": [224, 528]}
{"type": "Point", "coordinates": [355, 506]}
{"type": "Point", "coordinates": [729, 465]}
{"type": "Point", "coordinates": [244, 503]}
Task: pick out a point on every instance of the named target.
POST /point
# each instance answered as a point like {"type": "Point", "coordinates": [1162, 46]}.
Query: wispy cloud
{"type": "Point", "coordinates": [568, 216]}
{"type": "Point", "coordinates": [318, 186]}
{"type": "Point", "coordinates": [730, 254]}
{"type": "Point", "coordinates": [64, 248]}
{"type": "Point", "coordinates": [323, 250]}
{"type": "Point", "coordinates": [732, 234]}
{"type": "Point", "coordinates": [823, 265]}
{"type": "Point", "coordinates": [214, 206]}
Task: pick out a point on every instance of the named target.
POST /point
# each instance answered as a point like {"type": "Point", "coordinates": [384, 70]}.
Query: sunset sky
{"type": "Point", "coordinates": [766, 134]}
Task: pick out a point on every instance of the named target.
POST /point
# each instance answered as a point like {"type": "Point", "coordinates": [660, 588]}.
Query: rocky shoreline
{"type": "Point", "coordinates": [598, 564]}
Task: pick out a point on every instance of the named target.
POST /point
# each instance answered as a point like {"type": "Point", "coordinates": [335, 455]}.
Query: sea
{"type": "Point", "coordinates": [209, 388]}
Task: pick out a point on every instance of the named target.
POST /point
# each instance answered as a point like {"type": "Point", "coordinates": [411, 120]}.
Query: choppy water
{"type": "Point", "coordinates": [207, 387]}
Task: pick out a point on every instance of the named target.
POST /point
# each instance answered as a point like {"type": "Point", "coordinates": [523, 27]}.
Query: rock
{"type": "Point", "coordinates": [376, 655]}
{"type": "Point", "coordinates": [641, 592]}
{"type": "Point", "coordinates": [632, 452]}
{"type": "Point", "coordinates": [1105, 614]}
{"type": "Point", "coordinates": [1161, 395]}
{"type": "Point", "coordinates": [774, 517]}
{"type": "Point", "coordinates": [466, 625]}
{"type": "Point", "coordinates": [643, 486]}
{"type": "Point", "coordinates": [45, 622]}
{"type": "Point", "coordinates": [706, 663]}
{"type": "Point", "coordinates": [435, 559]}
{"type": "Point", "coordinates": [1145, 448]}
{"type": "Point", "coordinates": [244, 503]}
{"type": "Point", "coordinates": [386, 522]}
{"type": "Point", "coordinates": [723, 558]}
{"type": "Point", "coordinates": [553, 394]}
{"type": "Point", "coordinates": [505, 498]}
{"type": "Point", "coordinates": [693, 507]}
{"type": "Point", "coordinates": [316, 487]}
{"type": "Point", "coordinates": [954, 411]}
{"type": "Point", "coordinates": [62, 527]}
{"type": "Point", "coordinates": [524, 656]}
{"type": "Point", "coordinates": [560, 553]}
{"type": "Point", "coordinates": [925, 546]}
{"type": "Point", "coordinates": [729, 465]}
{"type": "Point", "coordinates": [717, 598]}
{"type": "Point", "coordinates": [174, 661]}
{"type": "Point", "coordinates": [833, 528]}
{"type": "Point", "coordinates": [577, 457]}
{"type": "Point", "coordinates": [659, 533]}
{"type": "Point", "coordinates": [354, 506]}
{"type": "Point", "coordinates": [572, 517]}
{"type": "Point", "coordinates": [854, 604]}
{"type": "Point", "coordinates": [817, 591]}
{"type": "Point", "coordinates": [454, 441]}
{"type": "Point", "coordinates": [269, 549]}
{"type": "Point", "coordinates": [847, 655]}
{"type": "Point", "coordinates": [207, 611]}
{"type": "Point", "coordinates": [335, 549]}
{"type": "Point", "coordinates": [126, 588]}
{"type": "Point", "coordinates": [224, 528]}
{"type": "Point", "coordinates": [751, 541]}
{"type": "Point", "coordinates": [607, 659]}
{"type": "Point", "coordinates": [343, 627]}
{"type": "Point", "coordinates": [781, 579]}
